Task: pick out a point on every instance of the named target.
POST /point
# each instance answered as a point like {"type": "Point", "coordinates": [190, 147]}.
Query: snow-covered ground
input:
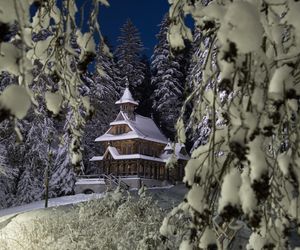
{"type": "Point", "coordinates": [65, 200]}
{"type": "Point", "coordinates": [54, 202]}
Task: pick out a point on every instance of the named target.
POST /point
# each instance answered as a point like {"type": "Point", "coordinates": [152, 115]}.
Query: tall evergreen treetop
{"type": "Point", "coordinates": [168, 81]}
{"type": "Point", "coordinates": [128, 55]}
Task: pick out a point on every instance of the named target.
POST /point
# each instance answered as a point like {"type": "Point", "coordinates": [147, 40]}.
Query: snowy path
{"type": "Point", "coordinates": [54, 202]}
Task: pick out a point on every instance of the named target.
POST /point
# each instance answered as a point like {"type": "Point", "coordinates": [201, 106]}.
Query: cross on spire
{"type": "Point", "coordinates": [126, 82]}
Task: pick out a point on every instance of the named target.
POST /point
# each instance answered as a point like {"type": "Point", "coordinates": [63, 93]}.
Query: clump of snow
{"type": "Point", "coordinates": [257, 97]}
{"type": "Point", "coordinates": [186, 245]}
{"type": "Point", "coordinates": [238, 28]}
{"type": "Point", "coordinates": [181, 131]}
{"type": "Point", "coordinates": [213, 11]}
{"type": "Point", "coordinates": [9, 11]}
{"type": "Point", "coordinates": [277, 82]}
{"type": "Point", "coordinates": [16, 99]}
{"type": "Point", "coordinates": [106, 51]}
{"type": "Point", "coordinates": [175, 37]}
{"type": "Point", "coordinates": [230, 190]}
{"type": "Point", "coordinates": [86, 41]}
{"type": "Point", "coordinates": [293, 104]}
{"type": "Point", "coordinates": [257, 159]}
{"type": "Point", "coordinates": [166, 228]}
{"type": "Point", "coordinates": [294, 209]}
{"type": "Point", "coordinates": [195, 198]}
{"type": "Point", "coordinates": [208, 238]}
{"type": "Point", "coordinates": [104, 2]}
{"type": "Point", "coordinates": [53, 101]}
{"type": "Point", "coordinates": [41, 49]}
{"type": "Point", "coordinates": [190, 171]}
{"type": "Point", "coordinates": [246, 194]}
{"type": "Point", "coordinates": [256, 242]}
{"type": "Point", "coordinates": [9, 58]}
{"type": "Point", "coordinates": [227, 68]}
{"type": "Point", "coordinates": [283, 161]}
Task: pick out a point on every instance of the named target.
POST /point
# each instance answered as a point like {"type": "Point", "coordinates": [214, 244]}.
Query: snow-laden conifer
{"type": "Point", "coordinates": [104, 89]}
{"type": "Point", "coordinates": [62, 177]}
{"type": "Point", "coordinates": [128, 55]}
{"type": "Point", "coordinates": [167, 80]}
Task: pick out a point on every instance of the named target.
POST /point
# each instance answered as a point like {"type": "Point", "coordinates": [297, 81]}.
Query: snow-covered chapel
{"type": "Point", "coordinates": [135, 146]}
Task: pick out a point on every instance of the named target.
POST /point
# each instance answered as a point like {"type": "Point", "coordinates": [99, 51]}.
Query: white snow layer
{"type": "Point", "coordinates": [195, 198]}
{"type": "Point", "coordinates": [237, 27]}
{"type": "Point", "coordinates": [16, 99]}
{"type": "Point", "coordinates": [277, 82]}
{"type": "Point", "coordinates": [115, 154]}
{"type": "Point", "coordinates": [208, 238]}
{"type": "Point", "coordinates": [127, 98]}
{"type": "Point", "coordinates": [257, 159]}
{"type": "Point", "coordinates": [54, 202]}
{"type": "Point", "coordinates": [142, 127]}
{"type": "Point", "coordinates": [246, 194]}
{"type": "Point", "coordinates": [53, 101]}
{"type": "Point", "coordinates": [230, 189]}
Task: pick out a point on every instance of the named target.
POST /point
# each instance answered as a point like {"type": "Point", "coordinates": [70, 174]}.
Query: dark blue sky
{"type": "Point", "coordinates": [145, 14]}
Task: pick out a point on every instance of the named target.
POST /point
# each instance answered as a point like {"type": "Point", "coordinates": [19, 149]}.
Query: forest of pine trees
{"type": "Point", "coordinates": [158, 83]}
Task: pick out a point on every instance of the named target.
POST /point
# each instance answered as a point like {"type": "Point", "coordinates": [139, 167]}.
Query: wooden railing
{"type": "Point", "coordinates": [113, 180]}
{"type": "Point", "coordinates": [110, 180]}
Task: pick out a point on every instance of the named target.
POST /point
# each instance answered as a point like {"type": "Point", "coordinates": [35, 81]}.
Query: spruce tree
{"type": "Point", "coordinates": [30, 187]}
{"type": "Point", "coordinates": [104, 91]}
{"type": "Point", "coordinates": [167, 79]}
{"type": "Point", "coordinates": [7, 176]}
{"type": "Point", "coordinates": [198, 135]}
{"type": "Point", "coordinates": [62, 178]}
{"type": "Point", "coordinates": [128, 55]}
{"type": "Point", "coordinates": [146, 90]}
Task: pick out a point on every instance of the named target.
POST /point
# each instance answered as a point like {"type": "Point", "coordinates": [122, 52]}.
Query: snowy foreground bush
{"type": "Point", "coordinates": [114, 222]}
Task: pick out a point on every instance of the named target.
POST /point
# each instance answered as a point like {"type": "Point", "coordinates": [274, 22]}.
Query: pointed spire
{"type": "Point", "coordinates": [127, 96]}
{"type": "Point", "coordinates": [169, 147]}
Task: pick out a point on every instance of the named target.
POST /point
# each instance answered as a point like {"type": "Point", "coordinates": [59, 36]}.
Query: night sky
{"type": "Point", "coordinates": [146, 15]}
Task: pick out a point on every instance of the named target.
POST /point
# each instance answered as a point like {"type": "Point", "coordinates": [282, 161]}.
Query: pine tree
{"type": "Point", "coordinates": [128, 56]}
{"type": "Point", "coordinates": [197, 135]}
{"type": "Point", "coordinates": [40, 129]}
{"type": "Point", "coordinates": [146, 90]}
{"type": "Point", "coordinates": [5, 177]}
{"type": "Point", "coordinates": [62, 177]}
{"type": "Point", "coordinates": [104, 90]}
{"type": "Point", "coordinates": [11, 154]}
{"type": "Point", "coordinates": [167, 79]}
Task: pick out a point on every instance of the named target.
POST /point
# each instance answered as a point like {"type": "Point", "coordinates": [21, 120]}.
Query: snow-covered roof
{"type": "Point", "coordinates": [142, 128]}
{"type": "Point", "coordinates": [127, 98]}
{"type": "Point", "coordinates": [180, 151]}
{"type": "Point", "coordinates": [163, 158]}
{"type": "Point", "coordinates": [169, 146]}
{"type": "Point", "coordinates": [115, 154]}
{"type": "Point", "coordinates": [96, 158]}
